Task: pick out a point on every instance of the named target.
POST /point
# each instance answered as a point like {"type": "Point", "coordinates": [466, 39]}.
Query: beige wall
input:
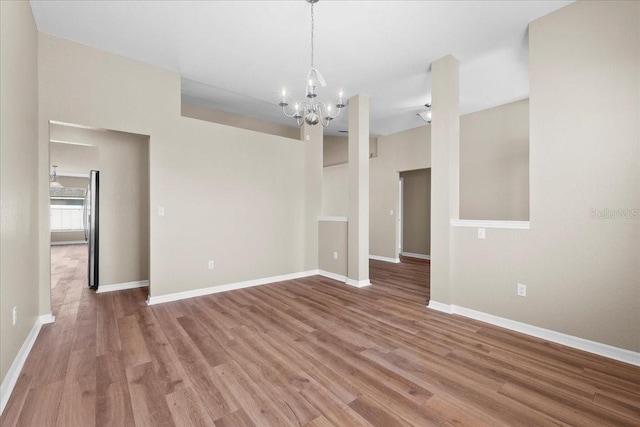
{"type": "Point", "coordinates": [416, 211]}
{"type": "Point", "coordinates": [333, 238]}
{"type": "Point", "coordinates": [494, 163]}
{"type": "Point", "coordinates": [335, 185]}
{"type": "Point", "coordinates": [18, 178]}
{"type": "Point", "coordinates": [336, 151]}
{"type": "Point", "coordinates": [250, 200]}
{"type": "Point", "coordinates": [581, 272]}
{"type": "Point", "coordinates": [215, 116]}
{"type": "Point", "coordinates": [398, 152]}
{"type": "Point", "coordinates": [71, 158]}
{"type": "Point", "coordinates": [73, 181]}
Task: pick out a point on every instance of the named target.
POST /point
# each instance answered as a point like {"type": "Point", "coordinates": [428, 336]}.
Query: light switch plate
{"type": "Point", "coordinates": [482, 233]}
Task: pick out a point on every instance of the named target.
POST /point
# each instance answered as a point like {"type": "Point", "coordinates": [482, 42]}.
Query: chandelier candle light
{"type": "Point", "coordinates": [312, 111]}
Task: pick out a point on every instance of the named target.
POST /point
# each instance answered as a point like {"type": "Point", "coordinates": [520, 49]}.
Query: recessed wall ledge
{"type": "Point", "coordinates": [476, 223]}
{"type": "Point", "coordinates": [333, 218]}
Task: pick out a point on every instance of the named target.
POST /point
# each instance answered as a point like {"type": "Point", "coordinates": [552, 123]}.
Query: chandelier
{"type": "Point", "coordinates": [53, 179]}
{"type": "Point", "coordinates": [426, 114]}
{"type": "Point", "coordinates": [311, 110]}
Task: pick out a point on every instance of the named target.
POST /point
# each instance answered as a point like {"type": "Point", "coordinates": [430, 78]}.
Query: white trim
{"type": "Point", "coordinates": [333, 218]}
{"type": "Point", "coordinates": [73, 125]}
{"type": "Point", "coordinates": [122, 286]}
{"type": "Point", "coordinates": [385, 259]}
{"type": "Point", "coordinates": [73, 175]}
{"type": "Point", "coordinates": [60, 141]}
{"type": "Point", "coordinates": [71, 242]}
{"type": "Point", "coordinates": [412, 255]}
{"type": "Point", "coordinates": [594, 347]}
{"type": "Point", "coordinates": [45, 319]}
{"type": "Point", "coordinates": [334, 276]}
{"type": "Point", "coordinates": [358, 283]}
{"type": "Point", "coordinates": [435, 305]}
{"type": "Point", "coordinates": [518, 225]}
{"type": "Point", "coordinates": [10, 380]}
{"type": "Point", "coordinates": [228, 287]}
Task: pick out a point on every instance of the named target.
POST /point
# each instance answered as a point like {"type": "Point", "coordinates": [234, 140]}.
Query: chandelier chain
{"type": "Point", "coordinates": [312, 31]}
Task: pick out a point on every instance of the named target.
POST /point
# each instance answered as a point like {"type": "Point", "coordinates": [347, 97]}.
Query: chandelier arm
{"type": "Point", "coordinates": [324, 109]}
{"type": "Point", "coordinates": [284, 111]}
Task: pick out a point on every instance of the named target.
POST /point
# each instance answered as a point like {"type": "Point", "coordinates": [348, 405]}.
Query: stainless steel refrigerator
{"type": "Point", "coordinates": [92, 226]}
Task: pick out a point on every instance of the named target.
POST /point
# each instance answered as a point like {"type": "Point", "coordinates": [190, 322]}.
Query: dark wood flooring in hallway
{"type": "Point", "coordinates": [309, 352]}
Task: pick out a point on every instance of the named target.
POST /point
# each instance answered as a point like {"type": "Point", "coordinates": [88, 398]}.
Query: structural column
{"type": "Point", "coordinates": [445, 167]}
{"type": "Point", "coordinates": [358, 241]}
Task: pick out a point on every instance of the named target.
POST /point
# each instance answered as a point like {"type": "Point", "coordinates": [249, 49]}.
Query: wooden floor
{"type": "Point", "coordinates": [304, 352]}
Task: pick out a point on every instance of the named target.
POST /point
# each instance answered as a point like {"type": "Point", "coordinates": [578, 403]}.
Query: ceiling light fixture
{"type": "Point", "coordinates": [426, 114]}
{"type": "Point", "coordinates": [311, 110]}
{"type": "Point", "coordinates": [53, 179]}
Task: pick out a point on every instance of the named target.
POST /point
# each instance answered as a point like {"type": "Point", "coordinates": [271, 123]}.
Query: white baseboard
{"type": "Point", "coordinates": [72, 242]}
{"type": "Point", "coordinates": [10, 380]}
{"type": "Point", "coordinates": [122, 286]}
{"type": "Point", "coordinates": [594, 347]}
{"type": "Point", "coordinates": [358, 283]}
{"type": "Point", "coordinates": [385, 259]}
{"type": "Point", "coordinates": [228, 287]}
{"type": "Point", "coordinates": [334, 276]}
{"type": "Point", "coordinates": [412, 255]}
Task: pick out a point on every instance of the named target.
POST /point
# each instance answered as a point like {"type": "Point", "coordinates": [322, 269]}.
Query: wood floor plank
{"type": "Point", "coordinates": [113, 401]}
{"type": "Point", "coordinates": [308, 351]}
{"type": "Point", "coordinates": [186, 408]}
{"type": "Point", "coordinates": [150, 406]}
{"type": "Point", "coordinates": [107, 334]}
{"type": "Point", "coordinates": [78, 408]}
{"type": "Point", "coordinates": [256, 404]}
{"type": "Point", "coordinates": [134, 347]}
{"type": "Point", "coordinates": [42, 405]}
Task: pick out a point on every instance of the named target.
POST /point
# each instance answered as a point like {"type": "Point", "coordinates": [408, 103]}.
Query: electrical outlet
{"type": "Point", "coordinates": [482, 233]}
{"type": "Point", "coordinates": [210, 265]}
{"type": "Point", "coordinates": [160, 211]}
{"type": "Point", "coordinates": [335, 255]}
{"type": "Point", "coordinates": [15, 315]}
{"type": "Point", "coordinates": [522, 290]}
{"type": "Point", "coordinates": [391, 212]}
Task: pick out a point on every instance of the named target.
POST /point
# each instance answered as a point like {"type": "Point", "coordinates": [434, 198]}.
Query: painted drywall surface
{"type": "Point", "coordinates": [494, 163]}
{"type": "Point", "coordinates": [336, 149]}
{"type": "Point", "coordinates": [335, 185]}
{"type": "Point", "coordinates": [312, 143]}
{"type": "Point", "coordinates": [73, 181]}
{"type": "Point", "coordinates": [445, 183]}
{"type": "Point", "coordinates": [333, 238]}
{"type": "Point", "coordinates": [70, 158]}
{"type": "Point", "coordinates": [241, 193]}
{"type": "Point", "coordinates": [416, 211]}
{"type": "Point", "coordinates": [580, 258]}
{"type": "Point", "coordinates": [18, 177]}
{"type": "Point", "coordinates": [358, 194]}
{"type": "Point", "coordinates": [215, 116]}
{"type": "Point", "coordinates": [398, 152]}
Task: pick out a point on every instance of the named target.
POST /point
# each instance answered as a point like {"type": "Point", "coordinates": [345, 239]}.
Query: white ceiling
{"type": "Point", "coordinates": [235, 56]}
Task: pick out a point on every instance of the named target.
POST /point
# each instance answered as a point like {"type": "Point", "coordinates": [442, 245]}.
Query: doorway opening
{"type": "Point", "coordinates": [122, 159]}
{"type": "Point", "coordinates": [414, 214]}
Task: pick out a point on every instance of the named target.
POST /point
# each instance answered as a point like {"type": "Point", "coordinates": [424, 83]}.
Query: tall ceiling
{"type": "Point", "coordinates": [235, 56]}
